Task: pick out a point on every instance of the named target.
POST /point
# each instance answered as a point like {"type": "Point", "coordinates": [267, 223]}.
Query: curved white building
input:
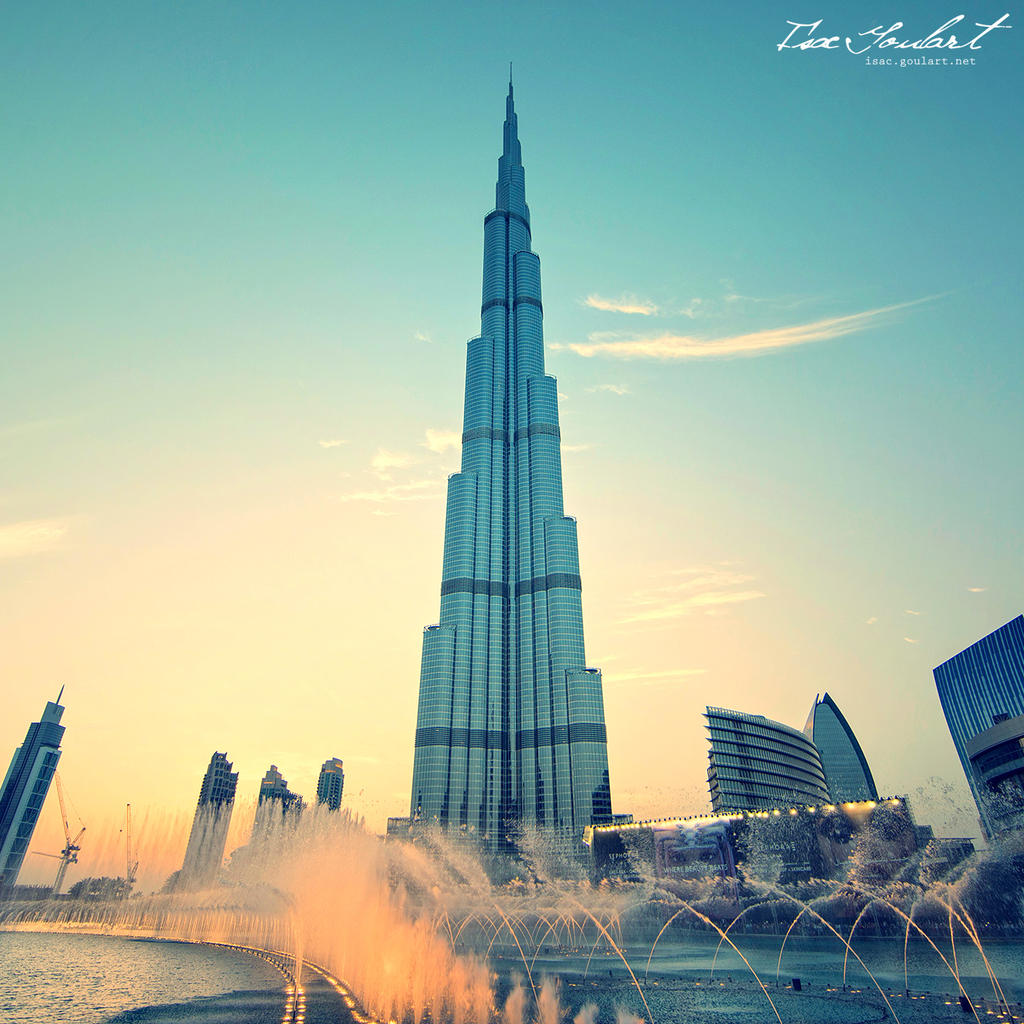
{"type": "Point", "coordinates": [758, 764]}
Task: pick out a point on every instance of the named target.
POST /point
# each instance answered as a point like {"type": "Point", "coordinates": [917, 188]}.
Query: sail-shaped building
{"type": "Point", "coordinates": [510, 729]}
{"type": "Point", "coordinates": [847, 774]}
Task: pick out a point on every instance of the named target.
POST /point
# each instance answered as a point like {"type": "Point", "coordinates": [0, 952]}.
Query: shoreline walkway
{"type": "Point", "coordinates": [315, 997]}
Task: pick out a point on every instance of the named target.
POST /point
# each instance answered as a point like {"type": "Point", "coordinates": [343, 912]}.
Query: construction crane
{"type": "Point", "coordinates": [69, 855]}
{"type": "Point", "coordinates": [131, 867]}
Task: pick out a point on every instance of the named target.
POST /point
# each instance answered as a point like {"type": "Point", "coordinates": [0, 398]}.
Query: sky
{"type": "Point", "coordinates": [243, 246]}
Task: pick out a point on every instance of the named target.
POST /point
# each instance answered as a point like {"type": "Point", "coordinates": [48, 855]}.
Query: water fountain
{"type": "Point", "coordinates": [419, 933]}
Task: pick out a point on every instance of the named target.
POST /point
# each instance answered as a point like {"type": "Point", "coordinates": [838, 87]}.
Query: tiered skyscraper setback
{"type": "Point", "coordinates": [847, 774]}
{"type": "Point", "coordinates": [331, 783]}
{"type": "Point", "coordinates": [205, 851]}
{"type": "Point", "coordinates": [25, 787]}
{"type": "Point", "coordinates": [510, 728]}
{"type": "Point", "coordinates": [981, 690]}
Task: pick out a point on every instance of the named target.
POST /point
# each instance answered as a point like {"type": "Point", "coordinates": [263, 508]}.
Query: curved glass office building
{"type": "Point", "coordinates": [757, 764]}
{"type": "Point", "coordinates": [847, 774]}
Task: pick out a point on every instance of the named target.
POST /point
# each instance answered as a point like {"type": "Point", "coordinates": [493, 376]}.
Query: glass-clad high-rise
{"type": "Point", "coordinates": [331, 783]}
{"type": "Point", "coordinates": [981, 690]}
{"type": "Point", "coordinates": [277, 804]}
{"type": "Point", "coordinates": [25, 787]}
{"type": "Point", "coordinates": [510, 726]}
{"type": "Point", "coordinates": [847, 774]}
{"type": "Point", "coordinates": [208, 837]}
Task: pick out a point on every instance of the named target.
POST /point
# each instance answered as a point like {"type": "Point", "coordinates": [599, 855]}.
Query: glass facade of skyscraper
{"type": "Point", "coordinates": [276, 805]}
{"type": "Point", "coordinates": [208, 836]}
{"type": "Point", "coordinates": [25, 787]}
{"type": "Point", "coordinates": [847, 774]}
{"type": "Point", "coordinates": [980, 689]}
{"type": "Point", "coordinates": [757, 764]}
{"type": "Point", "coordinates": [331, 783]}
{"type": "Point", "coordinates": [510, 724]}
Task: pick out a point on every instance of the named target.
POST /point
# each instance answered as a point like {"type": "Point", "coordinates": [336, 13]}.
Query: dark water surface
{"type": "Point", "coordinates": [819, 961]}
{"type": "Point", "coordinates": [679, 988]}
{"type": "Point", "coordinates": [88, 979]}
{"type": "Point", "coordinates": [48, 978]}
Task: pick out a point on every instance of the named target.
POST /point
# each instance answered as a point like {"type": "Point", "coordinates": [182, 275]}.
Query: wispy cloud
{"type": "Point", "coordinates": [611, 389]}
{"type": "Point", "coordinates": [415, 490]}
{"type": "Point", "coordinates": [335, 442]}
{"type": "Point", "coordinates": [32, 537]}
{"type": "Point", "coordinates": [976, 590]}
{"type": "Point", "coordinates": [423, 336]}
{"type": "Point", "coordinates": [623, 304]}
{"type": "Point", "coordinates": [384, 461]}
{"type": "Point", "coordinates": [568, 449]}
{"type": "Point", "coordinates": [872, 620]}
{"type": "Point", "coordinates": [440, 441]}
{"type": "Point", "coordinates": [910, 611]}
{"type": "Point", "coordinates": [701, 589]}
{"type": "Point", "coordinates": [695, 578]}
{"type": "Point", "coordinates": [909, 640]}
{"type": "Point", "coordinates": [671, 347]}
{"type": "Point", "coordinates": [692, 310]}
{"type": "Point", "coordinates": [641, 678]}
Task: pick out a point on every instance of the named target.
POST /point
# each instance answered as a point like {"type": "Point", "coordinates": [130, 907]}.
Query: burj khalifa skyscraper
{"type": "Point", "coordinates": [510, 729]}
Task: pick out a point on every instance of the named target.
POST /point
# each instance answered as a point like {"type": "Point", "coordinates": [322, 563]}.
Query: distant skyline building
{"type": "Point", "coordinates": [331, 783]}
{"type": "Point", "coordinates": [277, 803]}
{"type": "Point", "coordinates": [981, 690]}
{"type": "Point", "coordinates": [25, 787]}
{"type": "Point", "coordinates": [757, 764]}
{"type": "Point", "coordinates": [208, 837]}
{"type": "Point", "coordinates": [510, 729]}
{"type": "Point", "coordinates": [847, 774]}
{"type": "Point", "coordinates": [274, 788]}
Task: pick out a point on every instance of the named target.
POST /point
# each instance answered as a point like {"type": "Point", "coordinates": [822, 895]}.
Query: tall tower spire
{"type": "Point", "coordinates": [510, 191]}
{"type": "Point", "coordinates": [510, 725]}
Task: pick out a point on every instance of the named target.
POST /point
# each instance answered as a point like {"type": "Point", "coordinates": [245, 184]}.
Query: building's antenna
{"type": "Point", "coordinates": [61, 694]}
{"type": "Point", "coordinates": [510, 74]}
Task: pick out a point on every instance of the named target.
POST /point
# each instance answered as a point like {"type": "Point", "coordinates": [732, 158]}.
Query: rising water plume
{"type": "Point", "coordinates": [419, 930]}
